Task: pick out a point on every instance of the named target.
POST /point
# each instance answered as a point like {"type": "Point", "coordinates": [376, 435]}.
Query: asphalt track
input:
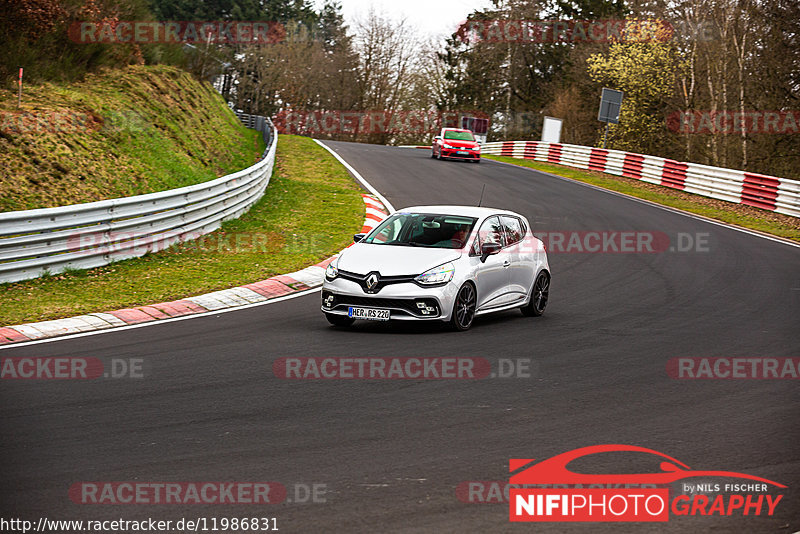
{"type": "Point", "coordinates": [391, 453]}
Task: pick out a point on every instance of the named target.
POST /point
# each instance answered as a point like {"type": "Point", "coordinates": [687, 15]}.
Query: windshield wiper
{"type": "Point", "coordinates": [402, 244]}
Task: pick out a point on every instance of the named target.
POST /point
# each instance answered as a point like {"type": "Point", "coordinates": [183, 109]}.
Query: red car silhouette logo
{"type": "Point", "coordinates": [554, 470]}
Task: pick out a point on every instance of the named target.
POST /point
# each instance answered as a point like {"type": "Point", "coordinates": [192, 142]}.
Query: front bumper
{"type": "Point", "coordinates": [453, 154]}
{"type": "Point", "coordinates": [405, 302]}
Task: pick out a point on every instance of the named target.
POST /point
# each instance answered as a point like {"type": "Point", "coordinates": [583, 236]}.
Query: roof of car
{"type": "Point", "coordinates": [467, 211]}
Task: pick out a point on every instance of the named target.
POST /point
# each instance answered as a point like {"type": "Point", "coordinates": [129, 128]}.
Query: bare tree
{"type": "Point", "coordinates": [386, 51]}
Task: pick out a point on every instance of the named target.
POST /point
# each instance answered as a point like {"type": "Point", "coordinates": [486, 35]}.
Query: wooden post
{"type": "Point", "coordinates": [19, 92]}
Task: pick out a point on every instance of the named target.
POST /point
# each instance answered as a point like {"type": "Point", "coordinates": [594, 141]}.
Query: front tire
{"type": "Point", "coordinates": [339, 320]}
{"type": "Point", "coordinates": [464, 308]}
{"type": "Point", "coordinates": [539, 295]}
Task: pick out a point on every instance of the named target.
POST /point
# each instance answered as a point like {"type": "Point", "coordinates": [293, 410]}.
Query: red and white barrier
{"type": "Point", "coordinates": [780, 195]}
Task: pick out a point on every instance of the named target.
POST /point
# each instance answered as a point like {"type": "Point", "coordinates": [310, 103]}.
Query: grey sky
{"type": "Point", "coordinates": [427, 17]}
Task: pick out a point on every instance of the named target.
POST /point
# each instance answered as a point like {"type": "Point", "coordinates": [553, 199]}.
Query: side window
{"type": "Point", "coordinates": [490, 232]}
{"type": "Point", "coordinates": [513, 228]}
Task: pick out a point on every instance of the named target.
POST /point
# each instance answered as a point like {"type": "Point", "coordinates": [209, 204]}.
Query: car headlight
{"type": "Point", "coordinates": [438, 275]}
{"type": "Point", "coordinates": [331, 272]}
{"type": "Point", "coordinates": [477, 148]}
{"type": "Point", "coordinates": [448, 146]}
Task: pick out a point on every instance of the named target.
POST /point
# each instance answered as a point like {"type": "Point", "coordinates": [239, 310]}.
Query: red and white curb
{"type": "Point", "coordinates": [268, 289]}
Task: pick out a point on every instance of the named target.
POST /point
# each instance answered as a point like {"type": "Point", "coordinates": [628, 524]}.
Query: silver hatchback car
{"type": "Point", "coordinates": [445, 263]}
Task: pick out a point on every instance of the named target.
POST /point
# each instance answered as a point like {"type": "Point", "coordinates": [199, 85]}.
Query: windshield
{"type": "Point", "coordinates": [422, 230]}
{"type": "Point", "coordinates": [459, 136]}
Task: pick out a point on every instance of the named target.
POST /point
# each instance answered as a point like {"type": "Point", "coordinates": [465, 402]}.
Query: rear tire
{"type": "Point", "coordinates": [339, 320]}
{"type": "Point", "coordinates": [539, 295]}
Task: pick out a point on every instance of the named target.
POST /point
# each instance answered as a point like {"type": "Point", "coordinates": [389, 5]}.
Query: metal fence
{"type": "Point", "coordinates": [766, 192]}
{"type": "Point", "coordinates": [82, 236]}
{"type": "Point", "coordinates": [262, 124]}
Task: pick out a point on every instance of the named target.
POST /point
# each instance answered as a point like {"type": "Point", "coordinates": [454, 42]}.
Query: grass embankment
{"type": "Point", "coordinates": [310, 211]}
{"type": "Point", "coordinates": [737, 214]}
{"type": "Point", "coordinates": [117, 133]}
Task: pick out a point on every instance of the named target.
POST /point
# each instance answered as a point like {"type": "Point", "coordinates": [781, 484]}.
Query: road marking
{"type": "Point", "coordinates": [656, 205]}
{"type": "Point", "coordinates": [357, 176]}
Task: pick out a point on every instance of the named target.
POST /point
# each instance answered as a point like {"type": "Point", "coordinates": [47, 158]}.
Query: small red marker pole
{"type": "Point", "coordinates": [19, 93]}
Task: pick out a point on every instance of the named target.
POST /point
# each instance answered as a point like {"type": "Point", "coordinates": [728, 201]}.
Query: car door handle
{"type": "Point", "coordinates": [506, 263]}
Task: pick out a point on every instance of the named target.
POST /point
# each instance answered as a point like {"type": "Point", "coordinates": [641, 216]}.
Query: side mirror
{"type": "Point", "coordinates": [437, 137]}
{"type": "Point", "coordinates": [488, 249]}
{"type": "Point", "coordinates": [358, 237]}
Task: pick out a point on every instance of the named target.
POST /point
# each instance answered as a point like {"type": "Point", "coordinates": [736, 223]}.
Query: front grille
{"type": "Point", "coordinates": [361, 280]}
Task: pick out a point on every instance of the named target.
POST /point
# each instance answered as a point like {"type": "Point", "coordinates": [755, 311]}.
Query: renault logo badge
{"type": "Point", "coordinates": [372, 281]}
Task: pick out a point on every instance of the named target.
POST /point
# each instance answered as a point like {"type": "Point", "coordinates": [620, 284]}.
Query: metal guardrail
{"type": "Point", "coordinates": [83, 236]}
{"type": "Point", "coordinates": [262, 124]}
{"type": "Point", "coordinates": [780, 195]}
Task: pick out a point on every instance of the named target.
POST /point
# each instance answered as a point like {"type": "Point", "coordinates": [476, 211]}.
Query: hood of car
{"type": "Point", "coordinates": [392, 260]}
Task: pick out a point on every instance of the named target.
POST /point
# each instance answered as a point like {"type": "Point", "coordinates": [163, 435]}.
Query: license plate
{"type": "Point", "coordinates": [463, 152]}
{"type": "Point", "coordinates": [370, 314]}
